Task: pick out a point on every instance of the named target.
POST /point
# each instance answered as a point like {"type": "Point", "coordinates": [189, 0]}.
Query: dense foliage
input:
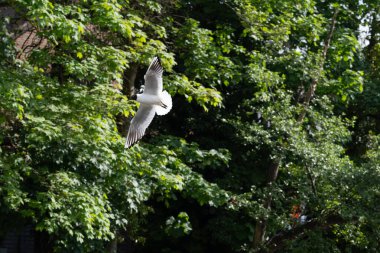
{"type": "Point", "coordinates": [272, 143]}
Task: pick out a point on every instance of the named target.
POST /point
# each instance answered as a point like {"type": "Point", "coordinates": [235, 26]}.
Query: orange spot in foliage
{"type": "Point", "coordinates": [296, 211]}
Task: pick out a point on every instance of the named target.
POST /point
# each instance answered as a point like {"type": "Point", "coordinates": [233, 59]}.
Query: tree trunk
{"type": "Point", "coordinates": [261, 225]}
{"type": "Point", "coordinates": [112, 246]}
{"type": "Point", "coordinates": [129, 80]}
{"type": "Point", "coordinates": [374, 32]}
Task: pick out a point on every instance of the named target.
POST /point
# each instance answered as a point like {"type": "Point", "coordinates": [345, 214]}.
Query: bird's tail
{"type": "Point", "coordinates": [167, 104]}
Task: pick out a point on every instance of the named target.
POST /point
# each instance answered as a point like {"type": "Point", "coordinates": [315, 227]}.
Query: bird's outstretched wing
{"type": "Point", "coordinates": [139, 124]}
{"type": "Point", "coordinates": [153, 77]}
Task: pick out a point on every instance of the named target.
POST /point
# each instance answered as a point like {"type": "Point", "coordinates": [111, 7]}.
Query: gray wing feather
{"type": "Point", "coordinates": [140, 123]}
{"type": "Point", "coordinates": [153, 77]}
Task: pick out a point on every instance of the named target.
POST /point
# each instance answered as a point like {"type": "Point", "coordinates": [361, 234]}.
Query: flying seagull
{"type": "Point", "coordinates": [152, 101]}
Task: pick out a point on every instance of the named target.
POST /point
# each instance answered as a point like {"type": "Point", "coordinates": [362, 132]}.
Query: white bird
{"type": "Point", "coordinates": [152, 101]}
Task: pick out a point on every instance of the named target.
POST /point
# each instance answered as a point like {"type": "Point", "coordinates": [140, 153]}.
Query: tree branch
{"type": "Point", "coordinates": [310, 92]}
{"type": "Point", "coordinates": [312, 180]}
{"type": "Point", "coordinates": [278, 241]}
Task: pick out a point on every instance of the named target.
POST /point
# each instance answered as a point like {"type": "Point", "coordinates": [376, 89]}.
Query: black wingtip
{"type": "Point", "coordinates": [156, 65]}
{"type": "Point", "coordinates": [158, 60]}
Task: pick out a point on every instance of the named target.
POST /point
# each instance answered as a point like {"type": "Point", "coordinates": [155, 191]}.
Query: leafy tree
{"type": "Point", "coordinates": [275, 118]}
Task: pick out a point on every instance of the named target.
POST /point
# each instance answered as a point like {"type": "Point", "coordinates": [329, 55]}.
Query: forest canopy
{"type": "Point", "coordinates": [272, 145]}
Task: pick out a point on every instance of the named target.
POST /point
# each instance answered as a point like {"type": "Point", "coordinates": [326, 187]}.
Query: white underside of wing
{"type": "Point", "coordinates": [153, 84]}
{"type": "Point", "coordinates": [153, 78]}
{"type": "Point", "coordinates": [148, 99]}
{"type": "Point", "coordinates": [140, 123]}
